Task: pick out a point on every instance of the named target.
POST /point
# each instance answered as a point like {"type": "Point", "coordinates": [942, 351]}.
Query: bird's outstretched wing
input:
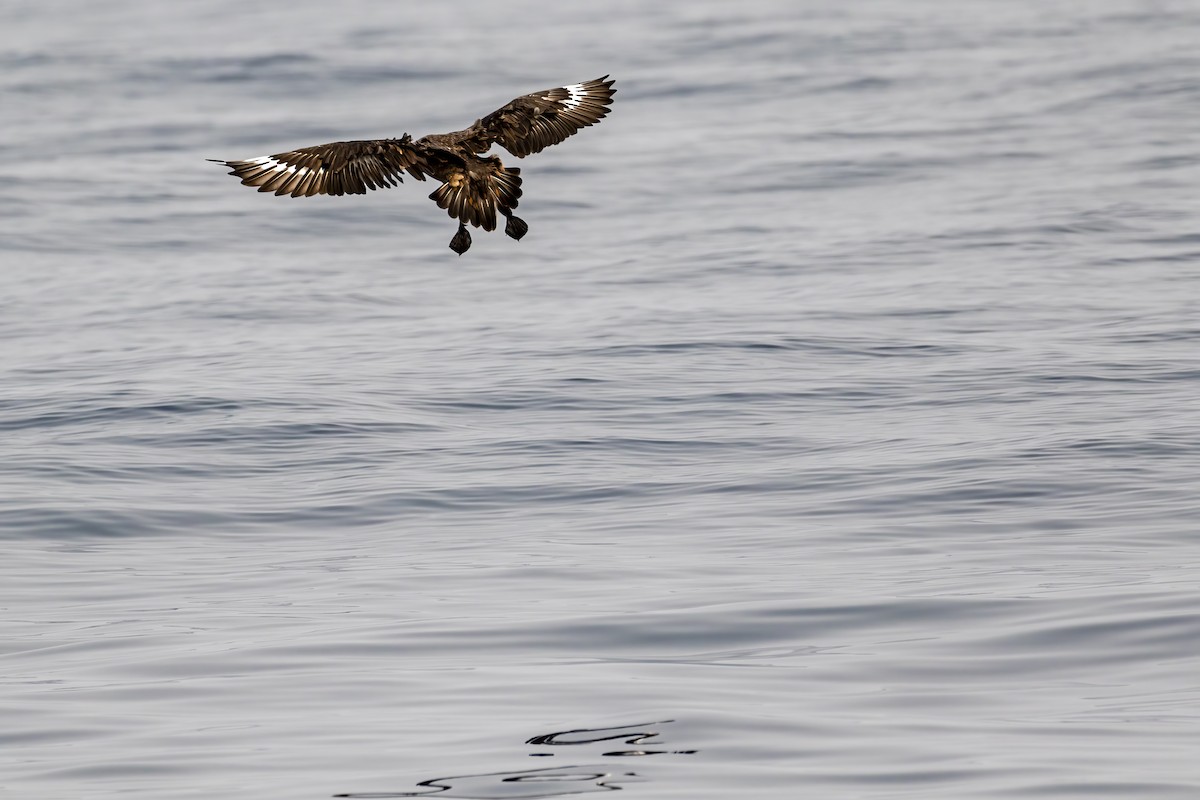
{"type": "Point", "coordinates": [337, 168]}
{"type": "Point", "coordinates": [532, 123]}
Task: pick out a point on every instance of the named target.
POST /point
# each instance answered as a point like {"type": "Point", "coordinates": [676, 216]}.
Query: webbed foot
{"type": "Point", "coordinates": [515, 227]}
{"type": "Point", "coordinates": [461, 242]}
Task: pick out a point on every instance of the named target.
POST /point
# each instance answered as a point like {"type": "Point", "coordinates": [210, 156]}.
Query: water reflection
{"type": "Point", "coordinates": [630, 734]}
{"type": "Point", "coordinates": [553, 782]}
{"type": "Point", "coordinates": [548, 782]}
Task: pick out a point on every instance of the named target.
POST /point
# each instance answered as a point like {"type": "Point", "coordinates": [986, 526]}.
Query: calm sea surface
{"type": "Point", "coordinates": [834, 433]}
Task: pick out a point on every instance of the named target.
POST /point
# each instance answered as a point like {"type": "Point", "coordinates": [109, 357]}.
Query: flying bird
{"type": "Point", "coordinates": [475, 186]}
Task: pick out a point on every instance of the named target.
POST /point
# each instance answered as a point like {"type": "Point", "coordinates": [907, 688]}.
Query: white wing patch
{"type": "Point", "coordinates": [577, 93]}
{"type": "Point", "coordinates": [277, 166]}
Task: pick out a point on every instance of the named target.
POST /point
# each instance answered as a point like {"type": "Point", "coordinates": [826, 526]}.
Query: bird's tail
{"type": "Point", "coordinates": [508, 185]}
{"type": "Point", "coordinates": [473, 198]}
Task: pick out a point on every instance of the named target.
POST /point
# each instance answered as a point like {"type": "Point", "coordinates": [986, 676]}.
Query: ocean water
{"type": "Point", "coordinates": [833, 433]}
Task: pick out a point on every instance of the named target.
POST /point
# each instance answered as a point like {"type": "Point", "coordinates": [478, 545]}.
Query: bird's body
{"type": "Point", "coordinates": [475, 186]}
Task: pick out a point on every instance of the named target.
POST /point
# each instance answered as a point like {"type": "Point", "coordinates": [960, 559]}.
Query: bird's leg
{"type": "Point", "coordinates": [515, 227]}
{"type": "Point", "coordinates": [461, 242]}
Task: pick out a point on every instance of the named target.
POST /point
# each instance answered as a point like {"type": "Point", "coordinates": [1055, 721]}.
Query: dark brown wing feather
{"type": "Point", "coordinates": [532, 123]}
{"type": "Point", "coordinates": [337, 168]}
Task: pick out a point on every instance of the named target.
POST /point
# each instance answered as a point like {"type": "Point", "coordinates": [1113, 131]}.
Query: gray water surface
{"type": "Point", "coordinates": [833, 433]}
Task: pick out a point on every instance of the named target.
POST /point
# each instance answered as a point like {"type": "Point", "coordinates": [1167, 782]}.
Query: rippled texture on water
{"type": "Point", "coordinates": [833, 432]}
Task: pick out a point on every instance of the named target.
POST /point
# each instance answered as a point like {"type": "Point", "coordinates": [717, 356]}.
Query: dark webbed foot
{"type": "Point", "coordinates": [515, 227]}
{"type": "Point", "coordinates": [461, 242]}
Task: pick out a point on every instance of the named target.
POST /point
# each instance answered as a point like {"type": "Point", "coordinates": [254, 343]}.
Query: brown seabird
{"type": "Point", "coordinates": [474, 186]}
